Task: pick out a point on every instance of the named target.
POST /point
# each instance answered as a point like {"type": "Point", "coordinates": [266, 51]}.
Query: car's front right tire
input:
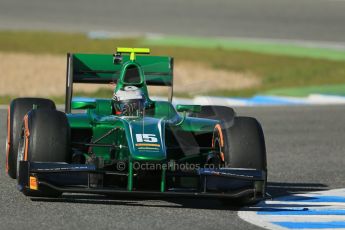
{"type": "Point", "coordinates": [15, 114]}
{"type": "Point", "coordinates": [45, 137]}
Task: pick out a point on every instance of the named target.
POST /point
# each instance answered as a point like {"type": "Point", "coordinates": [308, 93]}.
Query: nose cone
{"type": "Point", "coordinates": [147, 139]}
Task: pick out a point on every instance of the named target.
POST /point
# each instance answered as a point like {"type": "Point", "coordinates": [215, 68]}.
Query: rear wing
{"type": "Point", "coordinates": [103, 69]}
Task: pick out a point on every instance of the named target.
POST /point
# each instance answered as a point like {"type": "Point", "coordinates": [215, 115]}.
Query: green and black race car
{"type": "Point", "coordinates": [129, 144]}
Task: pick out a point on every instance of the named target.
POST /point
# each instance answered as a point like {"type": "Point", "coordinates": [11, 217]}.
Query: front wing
{"type": "Point", "coordinates": [79, 178]}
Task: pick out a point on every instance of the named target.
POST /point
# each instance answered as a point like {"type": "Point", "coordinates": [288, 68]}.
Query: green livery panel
{"type": "Point", "coordinates": [158, 136]}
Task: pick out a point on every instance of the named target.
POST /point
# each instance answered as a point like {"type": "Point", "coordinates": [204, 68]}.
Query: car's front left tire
{"type": "Point", "coordinates": [246, 149]}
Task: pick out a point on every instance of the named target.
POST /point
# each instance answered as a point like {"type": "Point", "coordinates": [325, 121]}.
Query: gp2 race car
{"type": "Point", "coordinates": [129, 144]}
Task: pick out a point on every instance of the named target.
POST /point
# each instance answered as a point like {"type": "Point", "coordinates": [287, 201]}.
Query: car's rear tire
{"type": "Point", "coordinates": [223, 113]}
{"type": "Point", "coordinates": [16, 112]}
{"type": "Point", "coordinates": [45, 138]}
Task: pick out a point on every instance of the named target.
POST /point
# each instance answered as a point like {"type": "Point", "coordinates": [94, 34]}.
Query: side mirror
{"type": "Point", "coordinates": [83, 104]}
{"type": "Point", "coordinates": [188, 108]}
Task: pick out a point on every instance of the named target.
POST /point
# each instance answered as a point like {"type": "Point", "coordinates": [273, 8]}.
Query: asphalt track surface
{"type": "Point", "coordinates": [305, 148]}
{"type": "Point", "coordinates": [315, 20]}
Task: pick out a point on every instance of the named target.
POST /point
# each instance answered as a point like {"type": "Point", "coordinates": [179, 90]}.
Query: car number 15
{"type": "Point", "coordinates": [145, 137]}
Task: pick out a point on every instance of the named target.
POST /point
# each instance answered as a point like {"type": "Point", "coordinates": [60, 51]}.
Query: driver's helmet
{"type": "Point", "coordinates": [129, 101]}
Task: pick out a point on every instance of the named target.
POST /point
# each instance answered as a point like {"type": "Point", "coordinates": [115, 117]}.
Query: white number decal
{"type": "Point", "coordinates": [151, 138]}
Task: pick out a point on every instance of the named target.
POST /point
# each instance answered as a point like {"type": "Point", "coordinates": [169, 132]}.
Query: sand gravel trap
{"type": "Point", "coordinates": [196, 78]}
{"type": "Point", "coordinates": [44, 75]}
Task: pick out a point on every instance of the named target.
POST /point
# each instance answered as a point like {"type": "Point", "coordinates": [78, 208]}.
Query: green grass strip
{"type": "Point", "coordinates": [305, 91]}
{"type": "Point", "coordinates": [248, 45]}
